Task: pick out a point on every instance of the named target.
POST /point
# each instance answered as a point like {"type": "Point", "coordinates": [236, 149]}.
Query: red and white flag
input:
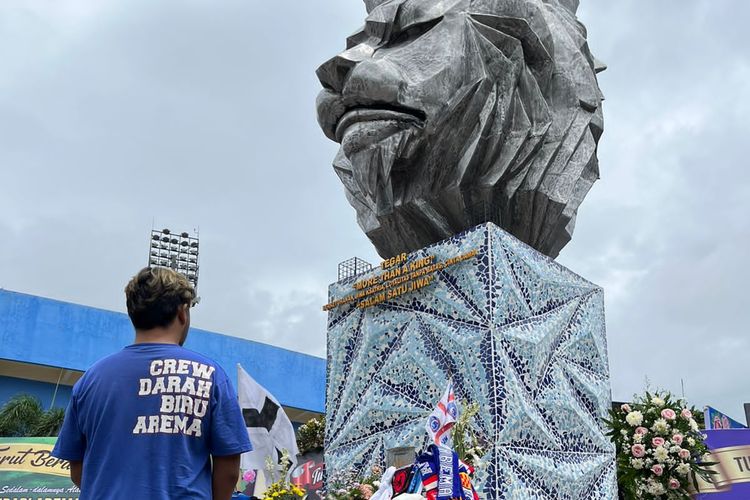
{"type": "Point", "coordinates": [441, 420]}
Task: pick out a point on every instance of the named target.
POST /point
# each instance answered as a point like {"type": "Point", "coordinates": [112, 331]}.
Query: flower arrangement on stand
{"type": "Point", "coordinates": [281, 488]}
{"type": "Point", "coordinates": [659, 447]}
{"type": "Point", "coordinates": [310, 435]}
{"type": "Point", "coordinates": [348, 487]}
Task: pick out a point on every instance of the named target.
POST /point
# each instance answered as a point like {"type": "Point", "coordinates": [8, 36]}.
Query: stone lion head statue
{"type": "Point", "coordinates": [452, 113]}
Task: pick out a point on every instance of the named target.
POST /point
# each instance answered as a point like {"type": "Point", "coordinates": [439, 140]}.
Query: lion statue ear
{"type": "Point", "coordinates": [371, 4]}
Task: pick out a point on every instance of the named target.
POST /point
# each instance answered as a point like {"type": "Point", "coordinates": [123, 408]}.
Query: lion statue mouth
{"type": "Point", "coordinates": [450, 114]}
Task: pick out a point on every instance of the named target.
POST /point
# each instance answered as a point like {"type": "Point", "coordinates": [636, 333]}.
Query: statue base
{"type": "Point", "coordinates": [516, 332]}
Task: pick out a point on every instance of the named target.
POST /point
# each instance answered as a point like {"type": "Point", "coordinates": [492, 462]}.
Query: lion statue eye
{"type": "Point", "coordinates": [412, 32]}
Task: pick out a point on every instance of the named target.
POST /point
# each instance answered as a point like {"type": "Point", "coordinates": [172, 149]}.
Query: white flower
{"type": "Point", "coordinates": [634, 418]}
{"type": "Point", "coordinates": [693, 425]}
{"type": "Point", "coordinates": [674, 449]}
{"type": "Point", "coordinates": [660, 426]}
{"type": "Point", "coordinates": [657, 401]}
{"type": "Point", "coordinates": [661, 454]}
{"type": "Point", "coordinates": [649, 462]}
{"type": "Point", "coordinates": [683, 469]}
{"type": "Point", "coordinates": [637, 438]}
{"type": "Point", "coordinates": [637, 463]}
{"type": "Point", "coordinates": [655, 488]}
{"type": "Point", "coordinates": [624, 432]}
{"type": "Point", "coordinates": [691, 441]}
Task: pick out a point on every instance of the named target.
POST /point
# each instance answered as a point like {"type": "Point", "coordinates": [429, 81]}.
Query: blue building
{"type": "Point", "coordinates": [46, 345]}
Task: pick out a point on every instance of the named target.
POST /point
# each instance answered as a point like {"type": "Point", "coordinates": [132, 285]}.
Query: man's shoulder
{"type": "Point", "coordinates": [189, 354]}
{"type": "Point", "coordinates": [131, 354]}
{"type": "Point", "coordinates": [105, 364]}
{"type": "Point", "coordinates": [196, 355]}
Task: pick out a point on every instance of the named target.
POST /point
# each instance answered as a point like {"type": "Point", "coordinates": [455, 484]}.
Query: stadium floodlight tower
{"type": "Point", "coordinates": [175, 251]}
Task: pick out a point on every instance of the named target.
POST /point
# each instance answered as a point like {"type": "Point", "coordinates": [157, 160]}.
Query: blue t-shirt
{"type": "Point", "coordinates": [145, 421]}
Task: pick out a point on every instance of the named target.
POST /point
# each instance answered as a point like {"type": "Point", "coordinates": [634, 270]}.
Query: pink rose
{"type": "Point", "coordinates": [366, 490]}
{"type": "Point", "coordinates": [674, 484]}
{"type": "Point", "coordinates": [677, 439]}
{"type": "Point", "coordinates": [625, 408]}
{"type": "Point", "coordinates": [684, 454]}
{"type": "Point", "coordinates": [657, 469]}
{"type": "Point", "coordinates": [641, 430]}
{"type": "Point", "coordinates": [686, 413]}
{"type": "Point", "coordinates": [668, 414]}
{"type": "Point", "coordinates": [638, 450]}
{"type": "Point", "coordinates": [249, 476]}
{"type": "Point", "coordinates": [657, 441]}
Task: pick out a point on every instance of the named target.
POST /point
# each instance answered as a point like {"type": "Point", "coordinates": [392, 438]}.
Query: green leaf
{"type": "Point", "coordinates": [20, 415]}
{"type": "Point", "coordinates": [49, 423]}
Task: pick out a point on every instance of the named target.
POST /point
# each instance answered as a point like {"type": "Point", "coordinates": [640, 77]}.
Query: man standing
{"type": "Point", "coordinates": [154, 421]}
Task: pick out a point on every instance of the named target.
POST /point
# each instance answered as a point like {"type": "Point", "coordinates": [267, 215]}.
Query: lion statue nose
{"type": "Point", "coordinates": [334, 72]}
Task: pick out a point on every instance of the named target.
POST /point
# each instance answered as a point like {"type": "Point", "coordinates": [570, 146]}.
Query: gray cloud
{"type": "Point", "coordinates": [193, 114]}
{"type": "Point", "coordinates": [665, 230]}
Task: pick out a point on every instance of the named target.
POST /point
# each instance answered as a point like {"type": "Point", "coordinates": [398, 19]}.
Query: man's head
{"type": "Point", "coordinates": [457, 112]}
{"type": "Point", "coordinates": [159, 298]}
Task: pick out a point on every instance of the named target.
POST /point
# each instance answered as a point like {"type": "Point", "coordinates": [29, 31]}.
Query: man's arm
{"type": "Point", "coordinates": [224, 477]}
{"type": "Point", "coordinates": [76, 472]}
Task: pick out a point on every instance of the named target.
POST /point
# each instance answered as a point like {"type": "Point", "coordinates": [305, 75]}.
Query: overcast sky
{"type": "Point", "coordinates": [116, 115]}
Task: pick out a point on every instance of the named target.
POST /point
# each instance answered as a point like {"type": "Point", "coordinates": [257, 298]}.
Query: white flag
{"type": "Point", "coordinates": [442, 418]}
{"type": "Point", "coordinates": [268, 427]}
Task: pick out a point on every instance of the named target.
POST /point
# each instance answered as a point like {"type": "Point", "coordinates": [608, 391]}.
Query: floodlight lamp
{"type": "Point", "coordinates": [184, 235]}
{"type": "Point", "coordinates": [165, 231]}
{"type": "Point", "coordinates": [194, 244]}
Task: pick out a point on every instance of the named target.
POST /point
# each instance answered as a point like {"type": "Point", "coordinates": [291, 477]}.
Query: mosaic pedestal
{"type": "Point", "coordinates": [516, 332]}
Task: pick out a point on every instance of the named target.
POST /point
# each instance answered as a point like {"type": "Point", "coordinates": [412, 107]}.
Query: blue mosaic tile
{"type": "Point", "coordinates": [516, 332]}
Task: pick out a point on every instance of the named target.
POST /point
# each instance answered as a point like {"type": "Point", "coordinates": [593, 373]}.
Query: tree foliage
{"type": "Point", "coordinates": [23, 416]}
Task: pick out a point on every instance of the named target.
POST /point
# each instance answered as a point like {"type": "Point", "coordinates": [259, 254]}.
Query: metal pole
{"type": "Point", "coordinates": [682, 382]}
{"type": "Point", "coordinates": [54, 395]}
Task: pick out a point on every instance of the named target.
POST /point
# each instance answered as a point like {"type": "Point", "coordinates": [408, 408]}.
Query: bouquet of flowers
{"type": "Point", "coordinates": [310, 435]}
{"type": "Point", "coordinates": [348, 487]}
{"type": "Point", "coordinates": [659, 447]}
{"type": "Point", "coordinates": [281, 489]}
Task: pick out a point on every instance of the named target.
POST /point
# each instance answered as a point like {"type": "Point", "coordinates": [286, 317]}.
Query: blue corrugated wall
{"type": "Point", "coordinates": [49, 332]}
